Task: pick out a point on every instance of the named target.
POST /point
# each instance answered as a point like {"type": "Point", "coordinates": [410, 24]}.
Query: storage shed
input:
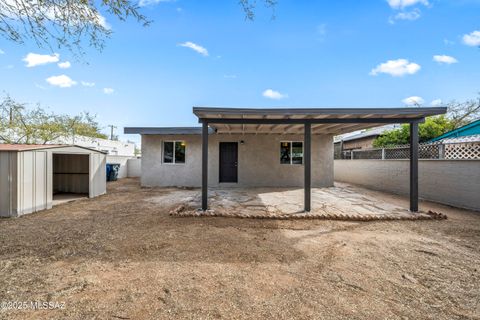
{"type": "Point", "coordinates": [36, 177]}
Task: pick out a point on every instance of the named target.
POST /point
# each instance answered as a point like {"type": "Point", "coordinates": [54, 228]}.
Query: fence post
{"type": "Point", "coordinates": [441, 151]}
{"type": "Point", "coordinates": [383, 153]}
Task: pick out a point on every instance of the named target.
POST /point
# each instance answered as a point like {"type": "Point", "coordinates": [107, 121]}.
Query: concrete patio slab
{"type": "Point", "coordinates": [342, 202]}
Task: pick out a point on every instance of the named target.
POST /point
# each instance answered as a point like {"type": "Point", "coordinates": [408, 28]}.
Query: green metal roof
{"type": "Point", "coordinates": [472, 128]}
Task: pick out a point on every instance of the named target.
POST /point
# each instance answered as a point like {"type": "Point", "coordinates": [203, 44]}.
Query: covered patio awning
{"type": "Point", "coordinates": [308, 121]}
{"type": "Point", "coordinates": [291, 120]}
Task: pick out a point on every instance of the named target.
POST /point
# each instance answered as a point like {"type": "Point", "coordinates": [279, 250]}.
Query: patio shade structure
{"type": "Point", "coordinates": [308, 121]}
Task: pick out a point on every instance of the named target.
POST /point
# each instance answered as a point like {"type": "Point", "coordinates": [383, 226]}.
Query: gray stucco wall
{"type": "Point", "coordinates": [452, 182]}
{"type": "Point", "coordinates": [258, 161]}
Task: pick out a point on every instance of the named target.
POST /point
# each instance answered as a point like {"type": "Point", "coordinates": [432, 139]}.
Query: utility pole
{"type": "Point", "coordinates": [111, 130]}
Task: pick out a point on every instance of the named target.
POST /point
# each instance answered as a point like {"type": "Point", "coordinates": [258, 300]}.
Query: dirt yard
{"type": "Point", "coordinates": [121, 256]}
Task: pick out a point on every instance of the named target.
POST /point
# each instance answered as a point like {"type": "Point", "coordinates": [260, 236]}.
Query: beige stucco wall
{"type": "Point", "coordinates": [452, 182]}
{"type": "Point", "coordinates": [258, 161]}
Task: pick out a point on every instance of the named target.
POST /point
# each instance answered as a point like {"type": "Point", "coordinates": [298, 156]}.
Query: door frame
{"type": "Point", "coordinates": [220, 162]}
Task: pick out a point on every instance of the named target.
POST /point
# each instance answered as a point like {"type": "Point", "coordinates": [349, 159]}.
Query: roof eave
{"type": "Point", "coordinates": [421, 111]}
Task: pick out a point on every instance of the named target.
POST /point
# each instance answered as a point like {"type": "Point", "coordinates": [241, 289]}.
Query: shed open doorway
{"type": "Point", "coordinates": [70, 177]}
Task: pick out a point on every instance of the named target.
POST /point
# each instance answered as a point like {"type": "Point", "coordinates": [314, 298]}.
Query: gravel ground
{"type": "Point", "coordinates": [121, 256]}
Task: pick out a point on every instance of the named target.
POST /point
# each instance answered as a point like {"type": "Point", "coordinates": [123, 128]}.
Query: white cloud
{"type": "Point", "coordinates": [406, 15]}
{"type": "Point", "coordinates": [108, 90]}
{"type": "Point", "coordinates": [436, 102]}
{"type": "Point", "coordinates": [87, 84]}
{"type": "Point", "coordinates": [143, 3]}
{"type": "Point", "coordinates": [472, 39]}
{"type": "Point", "coordinates": [400, 4]}
{"type": "Point", "coordinates": [195, 47]}
{"type": "Point", "coordinates": [272, 94]}
{"type": "Point", "coordinates": [64, 65]}
{"type": "Point", "coordinates": [61, 81]}
{"type": "Point", "coordinates": [448, 42]}
{"type": "Point", "coordinates": [34, 59]}
{"type": "Point", "coordinates": [396, 68]}
{"type": "Point", "coordinates": [445, 59]}
{"type": "Point", "coordinates": [230, 76]}
{"type": "Point", "coordinates": [39, 86]}
{"type": "Point", "coordinates": [2, 52]}
{"type": "Point", "coordinates": [413, 101]}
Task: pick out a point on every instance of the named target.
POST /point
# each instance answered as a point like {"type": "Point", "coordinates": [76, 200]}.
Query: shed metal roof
{"type": "Point", "coordinates": [30, 147]}
{"type": "Point", "coordinates": [324, 120]}
{"type": "Point", "coordinates": [27, 147]}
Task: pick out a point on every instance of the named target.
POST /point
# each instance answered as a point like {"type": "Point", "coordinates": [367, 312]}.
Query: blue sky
{"type": "Point", "coordinates": [345, 53]}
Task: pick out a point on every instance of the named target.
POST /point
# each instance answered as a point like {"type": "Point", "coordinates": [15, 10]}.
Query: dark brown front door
{"type": "Point", "coordinates": [228, 162]}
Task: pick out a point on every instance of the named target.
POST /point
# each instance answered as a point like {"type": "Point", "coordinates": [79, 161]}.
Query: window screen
{"type": "Point", "coordinates": [285, 152]}
{"type": "Point", "coordinates": [174, 152]}
{"type": "Point", "coordinates": [291, 152]}
{"type": "Point", "coordinates": [168, 152]}
{"type": "Point", "coordinates": [179, 152]}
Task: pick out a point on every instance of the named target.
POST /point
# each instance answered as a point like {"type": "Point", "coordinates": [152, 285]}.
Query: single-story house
{"type": "Point", "coordinates": [263, 147]}
{"type": "Point", "coordinates": [360, 140]}
{"type": "Point", "coordinates": [32, 177]}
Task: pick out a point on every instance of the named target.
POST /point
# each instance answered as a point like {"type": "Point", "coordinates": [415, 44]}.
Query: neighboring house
{"type": "Point", "coordinates": [259, 147]}
{"type": "Point", "coordinates": [361, 139]}
{"type": "Point", "coordinates": [33, 177]}
{"type": "Point", "coordinates": [112, 147]}
{"type": "Point", "coordinates": [461, 134]}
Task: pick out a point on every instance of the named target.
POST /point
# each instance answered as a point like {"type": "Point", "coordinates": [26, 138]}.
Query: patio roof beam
{"type": "Point", "coordinates": [307, 155]}
{"type": "Point", "coordinates": [414, 167]}
{"type": "Point", "coordinates": [310, 121]}
{"type": "Point", "coordinates": [204, 165]}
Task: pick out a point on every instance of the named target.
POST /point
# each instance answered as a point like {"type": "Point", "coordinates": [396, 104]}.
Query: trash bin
{"type": "Point", "coordinates": [112, 171]}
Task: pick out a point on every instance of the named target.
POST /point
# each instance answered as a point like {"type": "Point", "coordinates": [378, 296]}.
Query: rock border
{"type": "Point", "coordinates": [182, 211]}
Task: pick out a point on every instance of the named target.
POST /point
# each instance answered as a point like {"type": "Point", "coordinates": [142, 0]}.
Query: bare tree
{"type": "Point", "coordinates": [70, 23]}
{"type": "Point", "coordinates": [20, 124]}
{"type": "Point", "coordinates": [63, 23]}
{"type": "Point", "coordinates": [250, 5]}
{"type": "Point", "coordinates": [462, 113]}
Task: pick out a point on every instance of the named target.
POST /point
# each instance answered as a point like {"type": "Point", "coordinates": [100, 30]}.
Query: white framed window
{"type": "Point", "coordinates": [291, 152]}
{"type": "Point", "coordinates": [174, 152]}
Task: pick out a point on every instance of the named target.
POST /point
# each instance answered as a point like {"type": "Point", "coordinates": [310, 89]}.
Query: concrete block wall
{"type": "Point", "coordinates": [134, 168]}
{"type": "Point", "coordinates": [122, 161]}
{"type": "Point", "coordinates": [452, 182]}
